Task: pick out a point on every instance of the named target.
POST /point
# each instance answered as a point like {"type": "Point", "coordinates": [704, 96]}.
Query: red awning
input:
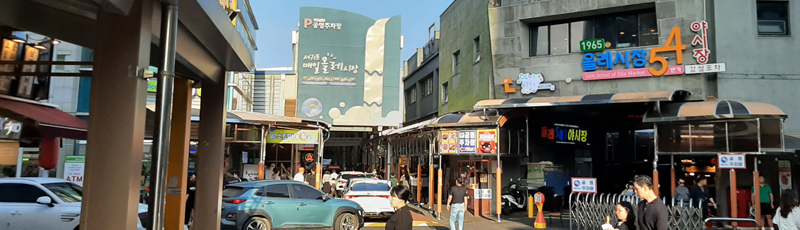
{"type": "Point", "coordinates": [52, 122]}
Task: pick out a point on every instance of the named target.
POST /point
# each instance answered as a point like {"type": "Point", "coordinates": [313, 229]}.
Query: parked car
{"type": "Point", "coordinates": [346, 176]}
{"type": "Point", "coordinates": [373, 195]}
{"type": "Point", "coordinates": [285, 204]}
{"type": "Point", "coordinates": [44, 203]}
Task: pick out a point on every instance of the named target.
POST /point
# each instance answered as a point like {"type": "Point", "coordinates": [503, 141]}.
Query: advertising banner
{"type": "Point", "coordinates": [785, 174]}
{"type": "Point", "coordinates": [9, 53]}
{"type": "Point", "coordinates": [348, 68]}
{"type": "Point", "coordinates": [73, 169]}
{"type": "Point", "coordinates": [467, 141]}
{"type": "Point", "coordinates": [487, 141]}
{"type": "Point", "coordinates": [293, 137]}
{"type": "Point", "coordinates": [447, 141]}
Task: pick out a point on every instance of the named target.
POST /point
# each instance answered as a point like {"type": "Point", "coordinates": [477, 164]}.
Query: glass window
{"type": "Point", "coordinates": [305, 192]}
{"type": "Point", "coordinates": [411, 95]}
{"type": "Point", "coordinates": [477, 47]}
{"type": "Point", "coordinates": [277, 191]}
{"type": "Point", "coordinates": [648, 29]}
{"type": "Point", "coordinates": [20, 193]}
{"type": "Point", "coordinates": [559, 39]}
{"type": "Point", "coordinates": [771, 133]}
{"type": "Point", "coordinates": [232, 191]}
{"type": "Point", "coordinates": [445, 97]}
{"type": "Point", "coordinates": [60, 58]}
{"type": "Point", "coordinates": [578, 32]}
{"type": "Point", "coordinates": [427, 87]}
{"type": "Point", "coordinates": [772, 17]}
{"type": "Point", "coordinates": [601, 26]}
{"type": "Point", "coordinates": [370, 187]}
{"type": "Point", "coordinates": [627, 29]}
{"type": "Point", "coordinates": [456, 62]}
{"type": "Point", "coordinates": [540, 42]}
{"type": "Point", "coordinates": [67, 192]}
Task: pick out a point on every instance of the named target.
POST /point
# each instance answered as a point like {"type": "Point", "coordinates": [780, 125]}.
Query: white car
{"type": "Point", "coordinates": [372, 195]}
{"type": "Point", "coordinates": [341, 184]}
{"type": "Point", "coordinates": [43, 203]}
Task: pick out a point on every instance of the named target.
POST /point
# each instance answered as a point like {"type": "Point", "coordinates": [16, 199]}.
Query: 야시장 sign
{"type": "Point", "coordinates": [487, 141]}
{"type": "Point", "coordinates": [584, 185]}
{"type": "Point", "coordinates": [565, 134]}
{"type": "Point", "coordinates": [293, 137]}
{"type": "Point", "coordinates": [732, 161]}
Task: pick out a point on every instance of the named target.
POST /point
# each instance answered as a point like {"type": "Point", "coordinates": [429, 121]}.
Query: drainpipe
{"type": "Point", "coordinates": [166, 82]}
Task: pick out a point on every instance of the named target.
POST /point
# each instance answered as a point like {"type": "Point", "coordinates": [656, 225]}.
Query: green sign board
{"type": "Point", "coordinates": [348, 68]}
{"type": "Point", "coordinates": [593, 45]}
{"type": "Point", "coordinates": [75, 159]}
{"type": "Point", "coordinates": [152, 85]}
{"type": "Point", "coordinates": [293, 137]}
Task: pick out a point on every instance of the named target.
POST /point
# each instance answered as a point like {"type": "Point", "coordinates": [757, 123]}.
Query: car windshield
{"type": "Point", "coordinates": [232, 191]}
{"type": "Point", "coordinates": [370, 187]}
{"type": "Point", "coordinates": [350, 176]}
{"type": "Point", "coordinates": [67, 192]}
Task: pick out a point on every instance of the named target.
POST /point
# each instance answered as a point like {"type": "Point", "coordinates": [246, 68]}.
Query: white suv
{"type": "Point", "coordinates": [43, 203]}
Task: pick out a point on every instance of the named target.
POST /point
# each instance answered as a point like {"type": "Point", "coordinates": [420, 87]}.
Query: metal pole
{"type": "Point", "coordinates": [19, 163]}
{"type": "Point", "coordinates": [166, 82]}
{"type": "Point", "coordinates": [263, 153]}
{"type": "Point", "coordinates": [528, 137]}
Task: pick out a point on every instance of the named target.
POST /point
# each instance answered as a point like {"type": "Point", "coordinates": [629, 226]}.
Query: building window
{"type": "Point", "coordinates": [620, 30]}
{"type": "Point", "coordinates": [445, 97]}
{"type": "Point", "coordinates": [772, 17]}
{"type": "Point", "coordinates": [60, 58]}
{"type": "Point", "coordinates": [427, 86]}
{"type": "Point", "coordinates": [411, 95]}
{"type": "Point", "coordinates": [477, 47]}
{"type": "Point", "coordinates": [456, 62]}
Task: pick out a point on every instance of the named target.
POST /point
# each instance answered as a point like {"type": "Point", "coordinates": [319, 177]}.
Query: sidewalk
{"type": "Point", "coordinates": [516, 221]}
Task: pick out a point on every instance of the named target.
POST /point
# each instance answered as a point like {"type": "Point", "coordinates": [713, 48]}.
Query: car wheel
{"type": "Point", "coordinates": [346, 221]}
{"type": "Point", "coordinates": [257, 223]}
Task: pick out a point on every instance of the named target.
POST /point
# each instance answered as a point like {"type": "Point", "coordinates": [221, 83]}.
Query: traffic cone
{"type": "Point", "coordinates": [539, 201]}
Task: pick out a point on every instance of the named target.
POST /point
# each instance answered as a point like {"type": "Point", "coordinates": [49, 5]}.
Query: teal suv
{"type": "Point", "coordinates": [264, 205]}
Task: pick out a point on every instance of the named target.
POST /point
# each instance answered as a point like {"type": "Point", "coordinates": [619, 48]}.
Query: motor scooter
{"type": "Point", "coordinates": [515, 197]}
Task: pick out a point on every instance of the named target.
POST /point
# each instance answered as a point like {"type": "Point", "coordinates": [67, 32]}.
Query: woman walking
{"type": "Point", "coordinates": [401, 220]}
{"type": "Point", "coordinates": [787, 216]}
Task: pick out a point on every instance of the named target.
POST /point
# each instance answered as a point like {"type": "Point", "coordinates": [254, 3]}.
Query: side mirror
{"type": "Point", "coordinates": [326, 198]}
{"type": "Point", "coordinates": [45, 200]}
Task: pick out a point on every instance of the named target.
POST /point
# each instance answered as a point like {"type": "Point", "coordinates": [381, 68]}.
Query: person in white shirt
{"type": "Point", "coordinates": [300, 176]}
{"type": "Point", "coordinates": [787, 217]}
{"type": "Point", "coordinates": [412, 180]}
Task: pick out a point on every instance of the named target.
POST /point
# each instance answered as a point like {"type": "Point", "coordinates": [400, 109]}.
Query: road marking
{"type": "Point", "coordinates": [416, 224]}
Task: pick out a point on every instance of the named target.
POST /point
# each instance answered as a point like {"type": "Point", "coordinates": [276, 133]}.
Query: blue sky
{"type": "Point", "coordinates": [278, 18]}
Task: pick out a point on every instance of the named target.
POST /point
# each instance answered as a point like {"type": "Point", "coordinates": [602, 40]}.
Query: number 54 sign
{"type": "Point", "coordinates": [731, 161]}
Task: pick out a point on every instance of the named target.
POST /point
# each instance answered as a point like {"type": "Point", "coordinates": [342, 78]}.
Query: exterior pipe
{"type": "Point", "coordinates": [161, 134]}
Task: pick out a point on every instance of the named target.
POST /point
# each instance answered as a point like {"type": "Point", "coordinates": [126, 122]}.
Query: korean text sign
{"type": "Point", "coordinates": [73, 169]}
{"type": "Point", "coordinates": [467, 141]}
{"type": "Point", "coordinates": [293, 137]}
{"type": "Point", "coordinates": [487, 141]}
{"type": "Point", "coordinates": [584, 185]}
{"type": "Point", "coordinates": [565, 134]}
{"type": "Point", "coordinates": [732, 161]}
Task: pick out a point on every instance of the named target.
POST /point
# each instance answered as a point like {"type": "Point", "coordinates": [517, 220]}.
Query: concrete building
{"type": "Point", "coordinates": [275, 91]}
{"type": "Point", "coordinates": [465, 61]}
{"type": "Point", "coordinates": [420, 80]}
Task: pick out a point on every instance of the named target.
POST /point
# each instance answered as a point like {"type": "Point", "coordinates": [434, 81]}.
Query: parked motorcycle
{"type": "Point", "coordinates": [515, 197]}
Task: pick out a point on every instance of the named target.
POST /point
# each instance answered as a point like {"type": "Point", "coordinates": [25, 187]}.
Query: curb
{"type": "Point", "coordinates": [416, 224]}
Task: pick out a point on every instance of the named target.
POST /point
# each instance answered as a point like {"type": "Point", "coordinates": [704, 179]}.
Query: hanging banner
{"type": "Point", "coordinates": [9, 53]}
{"type": "Point", "coordinates": [73, 169]}
{"type": "Point", "coordinates": [25, 88]}
{"type": "Point", "coordinates": [487, 141]}
{"type": "Point", "coordinates": [448, 141]}
{"type": "Point", "coordinates": [785, 174]}
{"type": "Point", "coordinates": [293, 137]}
{"type": "Point", "coordinates": [467, 141]}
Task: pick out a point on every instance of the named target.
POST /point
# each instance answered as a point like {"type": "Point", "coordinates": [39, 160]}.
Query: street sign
{"type": "Point", "coordinates": [731, 161]}
{"type": "Point", "coordinates": [584, 185]}
{"type": "Point", "coordinates": [593, 45]}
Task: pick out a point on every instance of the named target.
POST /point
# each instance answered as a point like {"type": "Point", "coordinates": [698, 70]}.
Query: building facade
{"type": "Point", "coordinates": [420, 80]}
{"type": "Point", "coordinates": [275, 89]}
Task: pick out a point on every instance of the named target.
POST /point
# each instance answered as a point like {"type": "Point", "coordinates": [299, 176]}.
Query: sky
{"type": "Point", "coordinates": [278, 18]}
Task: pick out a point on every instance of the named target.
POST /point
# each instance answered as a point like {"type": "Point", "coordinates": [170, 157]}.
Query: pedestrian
{"type": "Point", "coordinates": [403, 179]}
{"type": "Point", "coordinates": [626, 216]}
{"type": "Point", "coordinates": [652, 212]}
{"type": "Point", "coordinates": [299, 177]}
{"type": "Point", "coordinates": [456, 199]}
{"type": "Point", "coordinates": [229, 178]}
{"type": "Point", "coordinates": [236, 175]}
{"type": "Point", "coordinates": [334, 175]}
{"type": "Point", "coordinates": [326, 177]}
{"type": "Point", "coordinates": [311, 178]}
{"type": "Point", "coordinates": [702, 195]}
{"type": "Point", "coordinates": [413, 181]}
{"type": "Point", "coordinates": [393, 180]}
{"type": "Point", "coordinates": [425, 186]}
{"type": "Point", "coordinates": [276, 174]}
{"type": "Point", "coordinates": [788, 213]}
{"type": "Point", "coordinates": [766, 201]}
{"type": "Point", "coordinates": [326, 185]}
{"type": "Point", "coordinates": [682, 192]}
{"type": "Point", "coordinates": [401, 220]}
{"type": "Point", "coordinates": [629, 190]}
{"type": "Point", "coordinates": [190, 185]}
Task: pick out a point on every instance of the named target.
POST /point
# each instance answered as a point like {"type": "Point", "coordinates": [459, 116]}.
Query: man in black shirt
{"type": "Point", "coordinates": [652, 212]}
{"type": "Point", "coordinates": [457, 196]}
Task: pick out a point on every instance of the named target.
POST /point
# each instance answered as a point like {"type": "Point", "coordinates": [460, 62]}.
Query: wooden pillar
{"type": "Point", "coordinates": [439, 193]}
{"type": "Point", "coordinates": [419, 181]}
{"type": "Point", "coordinates": [734, 209]}
{"type": "Point", "coordinates": [178, 163]}
{"type": "Point", "coordinates": [673, 180]}
{"type": "Point", "coordinates": [655, 182]}
{"type": "Point", "coordinates": [210, 156]}
{"type": "Point", "coordinates": [757, 195]}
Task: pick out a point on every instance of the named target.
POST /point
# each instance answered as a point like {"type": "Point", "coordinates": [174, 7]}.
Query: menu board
{"type": "Point", "coordinates": [487, 141]}
{"type": "Point", "coordinates": [25, 89]}
{"type": "Point", "coordinates": [447, 141]}
{"type": "Point", "coordinates": [9, 53]}
{"type": "Point", "coordinates": [467, 141]}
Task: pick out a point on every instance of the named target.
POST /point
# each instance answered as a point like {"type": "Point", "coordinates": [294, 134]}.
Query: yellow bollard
{"type": "Point", "coordinates": [530, 206]}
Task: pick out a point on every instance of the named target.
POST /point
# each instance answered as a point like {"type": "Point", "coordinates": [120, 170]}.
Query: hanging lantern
{"type": "Point", "coordinates": [48, 152]}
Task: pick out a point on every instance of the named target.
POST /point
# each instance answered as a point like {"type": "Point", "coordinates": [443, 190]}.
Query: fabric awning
{"type": "Point", "coordinates": [713, 109]}
{"type": "Point", "coordinates": [674, 95]}
{"type": "Point", "coordinates": [51, 121]}
{"type": "Point", "coordinates": [474, 118]}
{"type": "Point", "coordinates": [409, 128]}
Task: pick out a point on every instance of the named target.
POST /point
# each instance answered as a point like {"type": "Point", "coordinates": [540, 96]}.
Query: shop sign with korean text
{"type": "Point", "coordinates": [73, 169]}
{"type": "Point", "coordinates": [293, 137]}
{"type": "Point", "coordinates": [565, 134]}
{"type": "Point", "coordinates": [482, 141]}
{"type": "Point", "coordinates": [467, 141]}
{"type": "Point", "coordinates": [482, 194]}
{"type": "Point", "coordinates": [9, 52]}
{"type": "Point", "coordinates": [529, 83]}
{"type": "Point", "coordinates": [487, 141]}
{"type": "Point", "coordinates": [731, 161]}
{"type": "Point", "coordinates": [584, 185]}
{"type": "Point", "coordinates": [635, 61]}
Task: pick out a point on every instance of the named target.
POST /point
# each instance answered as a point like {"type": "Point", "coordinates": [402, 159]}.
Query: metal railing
{"type": "Point", "coordinates": [589, 211]}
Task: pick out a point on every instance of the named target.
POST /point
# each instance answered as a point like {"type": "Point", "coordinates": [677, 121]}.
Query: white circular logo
{"type": "Point", "coordinates": [312, 107]}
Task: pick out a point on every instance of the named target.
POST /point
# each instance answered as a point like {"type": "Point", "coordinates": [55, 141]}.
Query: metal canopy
{"type": "Point", "coordinates": [712, 109]}
{"type": "Point", "coordinates": [674, 95]}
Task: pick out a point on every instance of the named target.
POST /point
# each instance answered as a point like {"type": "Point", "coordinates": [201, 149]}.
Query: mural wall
{"type": "Point", "coordinates": [348, 68]}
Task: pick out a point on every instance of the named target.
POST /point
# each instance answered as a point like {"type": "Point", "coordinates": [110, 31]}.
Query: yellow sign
{"type": "Point", "coordinates": [293, 137]}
